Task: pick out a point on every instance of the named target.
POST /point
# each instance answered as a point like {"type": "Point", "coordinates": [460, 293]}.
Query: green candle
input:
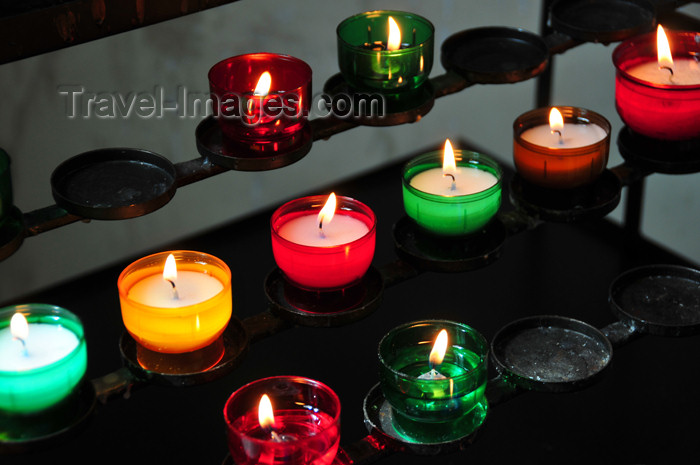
{"type": "Point", "coordinates": [42, 358]}
{"type": "Point", "coordinates": [5, 186]}
{"type": "Point", "coordinates": [452, 200]}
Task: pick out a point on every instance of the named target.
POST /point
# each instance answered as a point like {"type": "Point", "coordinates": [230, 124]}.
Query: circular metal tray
{"type": "Point", "coordinates": [661, 156]}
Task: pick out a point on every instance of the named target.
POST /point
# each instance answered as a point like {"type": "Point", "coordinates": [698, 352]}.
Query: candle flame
{"type": "Point", "coordinates": [663, 49]}
{"type": "Point", "coordinates": [19, 327]}
{"type": "Point", "coordinates": [170, 269]}
{"type": "Point", "coordinates": [556, 121]}
{"type": "Point", "coordinates": [449, 166]}
{"type": "Point", "coordinates": [394, 42]}
{"type": "Point", "coordinates": [326, 214]}
{"type": "Point", "coordinates": [266, 417]}
{"type": "Point", "coordinates": [264, 83]}
{"type": "Point", "coordinates": [439, 348]}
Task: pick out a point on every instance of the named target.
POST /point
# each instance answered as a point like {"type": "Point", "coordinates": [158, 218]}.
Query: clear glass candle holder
{"type": "Point", "coordinates": [323, 267]}
{"type": "Point", "coordinates": [171, 324]}
{"type": "Point", "coordinates": [661, 110]}
{"type": "Point", "coordinates": [451, 215]}
{"type": "Point", "coordinates": [306, 429]}
{"type": "Point", "coordinates": [50, 364]}
{"type": "Point", "coordinates": [280, 113]}
{"type": "Point", "coordinates": [434, 409]}
{"type": "Point", "coordinates": [365, 62]}
{"type": "Point", "coordinates": [561, 167]}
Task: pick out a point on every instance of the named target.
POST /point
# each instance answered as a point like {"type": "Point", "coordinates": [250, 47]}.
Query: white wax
{"type": "Point", "coordinates": [340, 230]}
{"type": "Point", "coordinates": [46, 344]}
{"type": "Point", "coordinates": [686, 71]}
{"type": "Point", "coordinates": [193, 287]}
{"type": "Point", "coordinates": [467, 181]}
{"type": "Point", "coordinates": [572, 136]}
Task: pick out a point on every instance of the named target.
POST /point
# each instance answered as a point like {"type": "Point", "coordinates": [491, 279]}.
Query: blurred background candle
{"type": "Point", "coordinates": [657, 90]}
{"type": "Point", "coordinates": [180, 311]}
{"type": "Point", "coordinates": [375, 53]}
{"type": "Point", "coordinates": [323, 243]}
{"type": "Point", "coordinates": [568, 152]}
{"type": "Point", "coordinates": [43, 357]}
{"type": "Point", "coordinates": [433, 374]}
{"type": "Point", "coordinates": [283, 420]}
{"type": "Point", "coordinates": [451, 192]}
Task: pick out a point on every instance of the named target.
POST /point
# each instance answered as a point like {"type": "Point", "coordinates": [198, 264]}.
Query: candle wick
{"type": "Point", "coordinates": [670, 70]}
{"type": "Point", "coordinates": [557, 131]}
{"type": "Point", "coordinates": [320, 229]}
{"type": "Point", "coordinates": [275, 437]}
{"type": "Point", "coordinates": [176, 296]}
{"type": "Point", "coordinates": [24, 345]}
{"type": "Point", "coordinates": [454, 184]}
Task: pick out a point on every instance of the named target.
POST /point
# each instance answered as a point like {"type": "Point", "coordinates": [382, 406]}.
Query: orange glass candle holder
{"type": "Point", "coordinates": [162, 322]}
{"type": "Point", "coordinates": [577, 161]}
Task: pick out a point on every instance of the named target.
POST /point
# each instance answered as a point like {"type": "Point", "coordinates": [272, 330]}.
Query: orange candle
{"type": "Point", "coordinates": [180, 310]}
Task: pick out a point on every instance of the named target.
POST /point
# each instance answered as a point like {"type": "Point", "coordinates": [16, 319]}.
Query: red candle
{"type": "Point", "coordinates": [656, 95]}
{"type": "Point", "coordinates": [286, 420]}
{"type": "Point", "coordinates": [562, 147]}
{"type": "Point", "coordinates": [320, 247]}
{"type": "Point", "coordinates": [260, 97]}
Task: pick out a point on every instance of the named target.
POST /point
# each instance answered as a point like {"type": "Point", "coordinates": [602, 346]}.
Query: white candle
{"type": "Point", "coordinates": [572, 136]}
{"type": "Point", "coordinates": [193, 287]}
{"type": "Point", "coordinates": [686, 72]}
{"type": "Point", "coordinates": [466, 181]}
{"type": "Point", "coordinates": [45, 344]}
{"type": "Point", "coordinates": [341, 229]}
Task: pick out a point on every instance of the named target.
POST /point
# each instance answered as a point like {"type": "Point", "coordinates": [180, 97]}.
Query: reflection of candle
{"type": "Point", "coordinates": [175, 322]}
{"type": "Point", "coordinates": [317, 248]}
{"type": "Point", "coordinates": [566, 136]}
{"type": "Point", "coordinates": [42, 356]}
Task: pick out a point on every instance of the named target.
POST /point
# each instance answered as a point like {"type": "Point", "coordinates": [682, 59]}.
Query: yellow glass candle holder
{"type": "Point", "coordinates": [163, 321]}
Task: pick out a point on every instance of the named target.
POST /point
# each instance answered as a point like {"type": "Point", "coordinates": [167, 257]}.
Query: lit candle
{"type": "Point", "coordinates": [452, 196]}
{"type": "Point", "coordinates": [436, 357]}
{"type": "Point", "coordinates": [176, 308]}
{"type": "Point", "coordinates": [560, 148]}
{"type": "Point", "coordinates": [42, 356]}
{"type": "Point", "coordinates": [323, 243]}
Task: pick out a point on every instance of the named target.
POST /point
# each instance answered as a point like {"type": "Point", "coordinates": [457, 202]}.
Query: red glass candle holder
{"type": "Point", "coordinates": [259, 119]}
{"type": "Point", "coordinates": [546, 164]}
{"type": "Point", "coordinates": [306, 427]}
{"type": "Point", "coordinates": [658, 110]}
{"type": "Point", "coordinates": [320, 267]}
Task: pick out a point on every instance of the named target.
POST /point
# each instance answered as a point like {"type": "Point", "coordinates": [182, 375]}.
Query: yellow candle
{"type": "Point", "coordinates": [179, 313]}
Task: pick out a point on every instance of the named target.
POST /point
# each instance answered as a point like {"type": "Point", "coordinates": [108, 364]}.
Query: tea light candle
{"type": "Point", "coordinates": [43, 356]}
{"type": "Point", "coordinates": [562, 147]}
{"type": "Point", "coordinates": [450, 193]}
{"type": "Point", "coordinates": [283, 420]}
{"type": "Point", "coordinates": [657, 84]}
{"type": "Point", "coordinates": [436, 396]}
{"type": "Point", "coordinates": [323, 244]}
{"type": "Point", "coordinates": [179, 308]}
{"type": "Point", "coordinates": [386, 55]}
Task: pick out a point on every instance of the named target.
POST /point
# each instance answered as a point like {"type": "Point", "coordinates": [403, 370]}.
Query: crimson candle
{"type": "Point", "coordinates": [658, 96]}
{"type": "Point", "coordinates": [260, 97]}
{"type": "Point", "coordinates": [562, 147]}
{"type": "Point", "coordinates": [321, 246]}
{"type": "Point", "coordinates": [286, 420]}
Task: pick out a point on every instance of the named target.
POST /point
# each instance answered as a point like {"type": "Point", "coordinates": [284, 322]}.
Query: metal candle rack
{"type": "Point", "coordinates": [537, 353]}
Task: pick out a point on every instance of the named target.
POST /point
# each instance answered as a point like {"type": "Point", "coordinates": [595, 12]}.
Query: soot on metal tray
{"type": "Point", "coordinates": [113, 183]}
{"type": "Point", "coordinates": [495, 55]}
{"type": "Point", "coordinates": [602, 20]}
{"type": "Point", "coordinates": [661, 156]}
{"type": "Point", "coordinates": [550, 353]}
{"type": "Point", "coordinates": [659, 299]}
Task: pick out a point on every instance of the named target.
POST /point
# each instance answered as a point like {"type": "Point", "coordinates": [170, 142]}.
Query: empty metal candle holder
{"type": "Point", "coordinates": [661, 156]}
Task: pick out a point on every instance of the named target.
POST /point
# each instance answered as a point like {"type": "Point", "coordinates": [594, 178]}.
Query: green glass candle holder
{"type": "Point", "coordinates": [448, 406]}
{"type": "Point", "coordinates": [51, 367]}
{"type": "Point", "coordinates": [367, 64]}
{"type": "Point", "coordinates": [446, 214]}
{"type": "Point", "coordinates": [5, 186]}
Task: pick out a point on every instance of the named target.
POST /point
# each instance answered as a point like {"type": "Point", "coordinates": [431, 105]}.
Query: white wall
{"type": "Point", "coordinates": [38, 135]}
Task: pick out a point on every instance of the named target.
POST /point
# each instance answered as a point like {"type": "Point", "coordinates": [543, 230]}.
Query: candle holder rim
{"type": "Point", "coordinates": [49, 309]}
{"type": "Point", "coordinates": [364, 209]}
{"type": "Point", "coordinates": [183, 309]}
{"type": "Point", "coordinates": [480, 339]}
{"type": "Point", "coordinates": [640, 40]}
{"type": "Point", "coordinates": [290, 378]}
{"type": "Point", "coordinates": [437, 155]}
{"type": "Point", "coordinates": [358, 49]}
{"type": "Point", "coordinates": [584, 150]}
{"type": "Point", "coordinates": [261, 55]}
